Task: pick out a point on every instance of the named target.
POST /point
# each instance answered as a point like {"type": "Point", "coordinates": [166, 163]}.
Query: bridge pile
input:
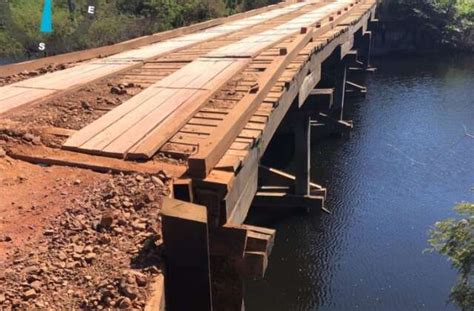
{"type": "Point", "coordinates": [207, 107]}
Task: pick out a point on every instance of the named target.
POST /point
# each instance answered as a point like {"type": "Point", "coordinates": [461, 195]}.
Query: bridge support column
{"type": "Point", "coordinates": [186, 243]}
{"type": "Point", "coordinates": [365, 49]}
{"type": "Point", "coordinates": [340, 76]}
{"type": "Point", "coordinates": [283, 191]}
{"type": "Point", "coordinates": [302, 154]}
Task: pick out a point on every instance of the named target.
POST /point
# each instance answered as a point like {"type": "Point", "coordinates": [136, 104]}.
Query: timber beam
{"type": "Point", "coordinates": [362, 70]}
{"type": "Point", "coordinates": [337, 126]}
{"type": "Point", "coordinates": [285, 200]}
{"type": "Point", "coordinates": [276, 180]}
{"type": "Point", "coordinates": [340, 89]}
{"type": "Point", "coordinates": [364, 50]}
{"type": "Point", "coordinates": [355, 89]}
{"type": "Point", "coordinates": [186, 248]}
{"type": "Point", "coordinates": [247, 247]}
{"type": "Point", "coordinates": [190, 246]}
{"type": "Point", "coordinates": [321, 99]}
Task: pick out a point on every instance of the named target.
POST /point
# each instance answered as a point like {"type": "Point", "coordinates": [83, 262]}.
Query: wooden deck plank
{"type": "Point", "coordinates": [123, 133]}
{"type": "Point", "coordinates": [96, 127]}
{"type": "Point", "coordinates": [175, 112]}
{"type": "Point", "coordinates": [151, 143]}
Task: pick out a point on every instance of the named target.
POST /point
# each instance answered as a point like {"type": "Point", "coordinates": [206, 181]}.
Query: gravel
{"type": "Point", "coordinates": [102, 253]}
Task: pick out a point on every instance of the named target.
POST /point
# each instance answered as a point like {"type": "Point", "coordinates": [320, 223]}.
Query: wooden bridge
{"type": "Point", "coordinates": [213, 96]}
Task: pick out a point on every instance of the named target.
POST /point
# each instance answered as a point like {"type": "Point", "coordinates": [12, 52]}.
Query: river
{"type": "Point", "coordinates": [406, 164]}
{"type": "Point", "coordinates": [5, 61]}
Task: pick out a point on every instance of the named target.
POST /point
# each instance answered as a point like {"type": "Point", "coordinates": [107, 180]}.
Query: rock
{"type": "Point", "coordinates": [127, 204]}
{"type": "Point", "coordinates": [107, 220]}
{"type": "Point", "coordinates": [157, 181]}
{"type": "Point", "coordinates": [88, 249]}
{"type": "Point", "coordinates": [2, 153]}
{"type": "Point", "coordinates": [28, 137]}
{"type": "Point", "coordinates": [78, 249]}
{"type": "Point", "coordinates": [36, 140]}
{"type": "Point", "coordinates": [118, 91]}
{"type": "Point", "coordinates": [39, 305]}
{"type": "Point", "coordinates": [90, 257]}
{"type": "Point", "coordinates": [148, 198]}
{"type": "Point", "coordinates": [138, 225]}
{"type": "Point", "coordinates": [77, 182]}
{"type": "Point", "coordinates": [124, 303]}
{"type": "Point", "coordinates": [5, 238]}
{"type": "Point", "coordinates": [85, 105]}
{"type": "Point", "coordinates": [139, 205]}
{"type": "Point", "coordinates": [31, 278]}
{"type": "Point", "coordinates": [72, 264]}
{"type": "Point", "coordinates": [62, 255]}
{"type": "Point", "coordinates": [163, 175]}
{"type": "Point", "coordinates": [105, 239]}
{"type": "Point", "coordinates": [29, 294]}
{"type": "Point", "coordinates": [36, 285]}
{"type": "Point", "coordinates": [48, 232]}
{"type": "Point", "coordinates": [140, 278]}
{"type": "Point", "coordinates": [129, 291]}
{"type": "Point", "coordinates": [31, 270]}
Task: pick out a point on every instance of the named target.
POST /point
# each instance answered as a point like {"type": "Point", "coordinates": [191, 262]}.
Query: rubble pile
{"type": "Point", "coordinates": [33, 73]}
{"type": "Point", "coordinates": [102, 253]}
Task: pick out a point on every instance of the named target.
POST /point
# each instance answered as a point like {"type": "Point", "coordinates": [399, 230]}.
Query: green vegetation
{"type": "Point", "coordinates": [455, 239]}
{"type": "Point", "coordinates": [113, 21]}
{"type": "Point", "coordinates": [451, 21]}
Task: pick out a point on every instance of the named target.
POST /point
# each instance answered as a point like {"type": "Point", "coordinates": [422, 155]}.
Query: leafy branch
{"type": "Point", "coordinates": [455, 239]}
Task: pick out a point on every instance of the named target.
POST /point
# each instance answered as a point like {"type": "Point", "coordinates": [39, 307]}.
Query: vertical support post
{"type": "Point", "coordinates": [186, 243]}
{"type": "Point", "coordinates": [302, 154]}
{"type": "Point", "coordinates": [340, 76]}
{"type": "Point", "coordinates": [366, 48]}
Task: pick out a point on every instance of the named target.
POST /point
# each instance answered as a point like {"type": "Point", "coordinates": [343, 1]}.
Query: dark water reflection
{"type": "Point", "coordinates": [5, 61]}
{"type": "Point", "coordinates": [407, 163]}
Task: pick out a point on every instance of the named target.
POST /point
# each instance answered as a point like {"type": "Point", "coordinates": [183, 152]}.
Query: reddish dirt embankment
{"type": "Point", "coordinates": [74, 239]}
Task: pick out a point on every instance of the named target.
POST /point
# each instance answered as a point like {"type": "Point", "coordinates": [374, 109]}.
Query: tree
{"type": "Point", "coordinates": [449, 21]}
{"type": "Point", "coordinates": [455, 239]}
{"type": "Point", "coordinates": [113, 21]}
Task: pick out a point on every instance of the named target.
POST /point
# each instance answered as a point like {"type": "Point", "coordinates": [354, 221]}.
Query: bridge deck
{"type": "Point", "coordinates": [140, 127]}
{"type": "Point", "coordinates": [214, 110]}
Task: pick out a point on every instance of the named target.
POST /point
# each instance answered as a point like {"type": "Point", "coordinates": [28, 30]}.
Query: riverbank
{"type": "Point", "coordinates": [424, 27]}
{"type": "Point", "coordinates": [396, 38]}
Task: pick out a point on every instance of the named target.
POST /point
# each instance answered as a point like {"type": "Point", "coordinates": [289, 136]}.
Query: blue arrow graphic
{"type": "Point", "coordinates": [46, 19]}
